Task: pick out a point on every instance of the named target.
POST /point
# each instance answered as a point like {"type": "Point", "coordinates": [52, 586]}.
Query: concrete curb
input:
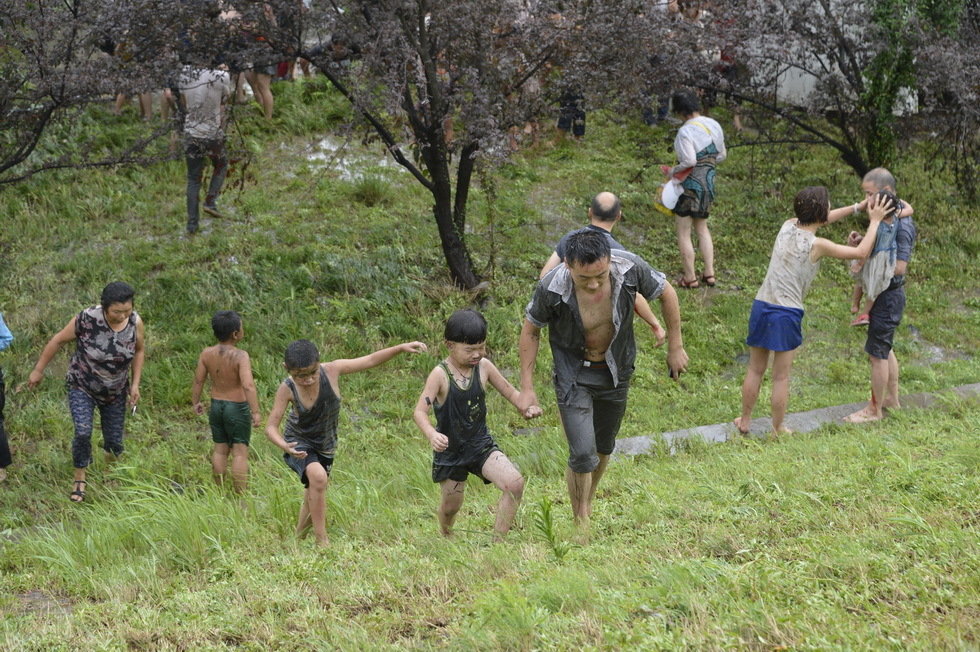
{"type": "Point", "coordinates": [798, 421]}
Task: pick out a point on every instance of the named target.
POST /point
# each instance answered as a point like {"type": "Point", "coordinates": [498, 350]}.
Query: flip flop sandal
{"type": "Point", "coordinates": [78, 495]}
{"type": "Point", "coordinates": [688, 285]}
{"type": "Point", "coordinates": [861, 320]}
{"type": "Point", "coordinates": [708, 280]}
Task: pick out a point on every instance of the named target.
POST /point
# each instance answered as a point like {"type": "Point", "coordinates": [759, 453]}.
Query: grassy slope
{"type": "Point", "coordinates": [849, 537]}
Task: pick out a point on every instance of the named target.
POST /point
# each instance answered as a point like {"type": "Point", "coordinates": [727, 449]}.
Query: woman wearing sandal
{"type": "Point", "coordinates": [700, 145]}
{"type": "Point", "coordinates": [108, 342]}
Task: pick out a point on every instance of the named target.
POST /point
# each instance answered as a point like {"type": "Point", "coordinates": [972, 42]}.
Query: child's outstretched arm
{"type": "Point", "coordinates": [283, 397]}
{"type": "Point", "coordinates": [341, 367]}
{"type": "Point", "coordinates": [508, 391]}
{"type": "Point", "coordinates": [906, 211]}
{"type": "Point", "coordinates": [435, 390]}
{"type": "Point", "coordinates": [845, 211]}
{"type": "Point", "coordinates": [200, 375]}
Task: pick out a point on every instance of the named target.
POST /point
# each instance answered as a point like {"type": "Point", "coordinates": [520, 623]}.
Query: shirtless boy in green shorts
{"type": "Point", "coordinates": [234, 401]}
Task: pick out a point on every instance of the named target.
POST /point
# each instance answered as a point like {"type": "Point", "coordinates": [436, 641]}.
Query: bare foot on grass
{"type": "Point", "coordinates": [864, 415]}
{"type": "Point", "coordinates": [323, 542]}
{"type": "Point", "coordinates": [737, 421]}
{"type": "Point", "coordinates": [3, 474]}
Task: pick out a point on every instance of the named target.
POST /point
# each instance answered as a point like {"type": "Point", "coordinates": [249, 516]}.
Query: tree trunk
{"type": "Point", "coordinates": [450, 233]}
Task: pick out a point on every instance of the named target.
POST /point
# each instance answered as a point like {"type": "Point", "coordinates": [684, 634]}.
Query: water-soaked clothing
{"type": "Point", "coordinates": [98, 377]}
{"type": "Point", "coordinates": [790, 270]}
{"type": "Point", "coordinates": [312, 429]}
{"type": "Point", "coordinates": [555, 306]}
{"type": "Point", "coordinates": [592, 397]}
{"type": "Point", "coordinates": [230, 421]}
{"type": "Point", "coordinates": [591, 414]}
{"type": "Point", "coordinates": [888, 308]}
{"type": "Point", "coordinates": [877, 272]}
{"type": "Point", "coordinates": [463, 419]}
{"type": "Point", "coordinates": [699, 186]}
{"type": "Point", "coordinates": [700, 146]}
{"type": "Point", "coordinates": [82, 407]}
{"type": "Point", "coordinates": [100, 365]}
{"type": "Point", "coordinates": [776, 321]}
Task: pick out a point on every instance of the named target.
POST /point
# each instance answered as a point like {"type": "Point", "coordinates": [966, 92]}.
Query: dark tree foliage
{"type": "Point", "coordinates": [948, 66]}
{"type": "Point", "coordinates": [443, 84]}
{"type": "Point", "coordinates": [58, 57]}
{"type": "Point", "coordinates": [872, 65]}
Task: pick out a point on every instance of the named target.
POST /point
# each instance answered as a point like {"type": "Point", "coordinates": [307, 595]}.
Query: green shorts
{"type": "Point", "coordinates": [231, 422]}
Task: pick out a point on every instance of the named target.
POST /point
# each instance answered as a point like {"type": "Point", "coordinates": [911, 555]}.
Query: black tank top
{"type": "Point", "coordinates": [316, 427]}
{"type": "Point", "coordinates": [463, 419]}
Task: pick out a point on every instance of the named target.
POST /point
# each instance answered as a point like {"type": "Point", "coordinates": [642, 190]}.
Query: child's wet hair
{"type": "Point", "coordinates": [812, 205]}
{"type": "Point", "coordinates": [116, 292]}
{"type": "Point", "coordinates": [225, 323]}
{"type": "Point", "coordinates": [466, 327]}
{"type": "Point", "coordinates": [301, 354]}
{"type": "Point", "coordinates": [885, 196]}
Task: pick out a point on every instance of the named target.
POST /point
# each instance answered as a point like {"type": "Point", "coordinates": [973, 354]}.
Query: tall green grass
{"type": "Point", "coordinates": [843, 538]}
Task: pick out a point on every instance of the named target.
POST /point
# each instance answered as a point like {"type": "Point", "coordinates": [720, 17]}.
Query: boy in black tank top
{"type": "Point", "coordinates": [310, 436]}
{"type": "Point", "coordinates": [460, 440]}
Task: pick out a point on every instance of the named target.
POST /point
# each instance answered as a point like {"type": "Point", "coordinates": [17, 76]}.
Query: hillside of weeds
{"type": "Point", "coordinates": [848, 537]}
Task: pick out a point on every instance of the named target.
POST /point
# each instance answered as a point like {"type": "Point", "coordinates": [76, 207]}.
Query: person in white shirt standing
{"type": "Point", "coordinates": [204, 95]}
{"type": "Point", "coordinates": [700, 145]}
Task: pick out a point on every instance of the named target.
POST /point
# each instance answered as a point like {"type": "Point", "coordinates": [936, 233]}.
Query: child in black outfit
{"type": "Point", "coordinates": [461, 441]}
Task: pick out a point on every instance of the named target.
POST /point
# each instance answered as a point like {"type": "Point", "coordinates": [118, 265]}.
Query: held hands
{"type": "Point", "coordinates": [532, 412]}
{"type": "Point", "coordinates": [413, 347]}
{"type": "Point", "coordinates": [527, 402]}
{"type": "Point", "coordinates": [438, 441]}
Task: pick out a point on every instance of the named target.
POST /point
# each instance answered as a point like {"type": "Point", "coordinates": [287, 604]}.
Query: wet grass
{"type": "Point", "coordinates": [845, 537]}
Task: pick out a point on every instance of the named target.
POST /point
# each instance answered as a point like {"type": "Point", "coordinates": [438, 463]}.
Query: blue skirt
{"type": "Point", "coordinates": [776, 328]}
